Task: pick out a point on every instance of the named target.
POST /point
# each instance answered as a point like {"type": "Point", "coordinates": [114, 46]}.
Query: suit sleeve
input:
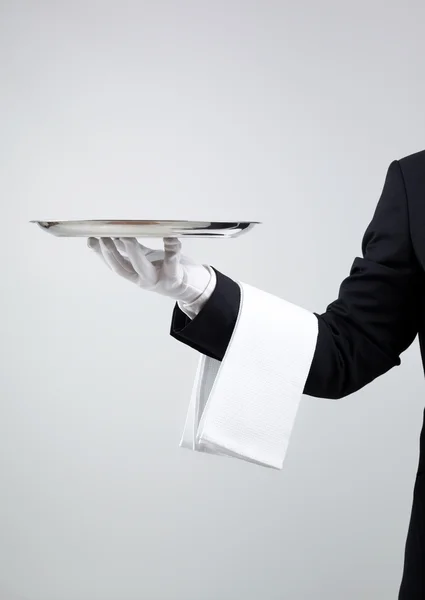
{"type": "Point", "coordinates": [363, 332]}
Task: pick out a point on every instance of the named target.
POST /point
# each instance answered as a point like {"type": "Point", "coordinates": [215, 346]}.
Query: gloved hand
{"type": "Point", "coordinates": [166, 272]}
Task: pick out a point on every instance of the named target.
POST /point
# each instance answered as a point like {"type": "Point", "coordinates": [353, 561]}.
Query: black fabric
{"type": "Point", "coordinates": [376, 315]}
{"type": "Point", "coordinates": [379, 310]}
{"type": "Point", "coordinates": [413, 582]}
{"type": "Point", "coordinates": [210, 331]}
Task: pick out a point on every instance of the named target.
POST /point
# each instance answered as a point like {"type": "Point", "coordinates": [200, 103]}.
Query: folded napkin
{"type": "Point", "coordinates": [245, 405]}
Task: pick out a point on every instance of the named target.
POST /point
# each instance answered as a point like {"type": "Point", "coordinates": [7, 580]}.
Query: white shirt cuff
{"type": "Point", "coordinates": [195, 307]}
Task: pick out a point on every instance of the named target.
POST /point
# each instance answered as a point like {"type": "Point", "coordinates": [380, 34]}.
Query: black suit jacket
{"type": "Point", "coordinates": [378, 313]}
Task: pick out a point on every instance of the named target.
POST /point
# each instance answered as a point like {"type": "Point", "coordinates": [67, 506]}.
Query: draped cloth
{"type": "Point", "coordinates": [245, 406]}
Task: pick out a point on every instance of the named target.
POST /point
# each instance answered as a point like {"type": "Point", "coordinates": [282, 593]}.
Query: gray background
{"type": "Point", "coordinates": [283, 112]}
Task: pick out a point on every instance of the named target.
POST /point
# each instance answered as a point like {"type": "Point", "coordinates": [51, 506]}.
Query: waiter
{"type": "Point", "coordinates": [378, 313]}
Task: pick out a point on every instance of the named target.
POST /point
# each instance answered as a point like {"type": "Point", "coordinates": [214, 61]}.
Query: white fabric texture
{"type": "Point", "coordinates": [245, 406]}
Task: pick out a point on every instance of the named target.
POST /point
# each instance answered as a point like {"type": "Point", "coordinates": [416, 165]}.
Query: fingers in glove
{"type": "Point", "coordinates": [137, 254]}
{"type": "Point", "coordinates": [150, 253]}
{"type": "Point", "coordinates": [119, 242]}
{"type": "Point", "coordinates": [172, 253]}
{"type": "Point", "coordinates": [115, 261]}
{"type": "Point", "coordinates": [94, 245]}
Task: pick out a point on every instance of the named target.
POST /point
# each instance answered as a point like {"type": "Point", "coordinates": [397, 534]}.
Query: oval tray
{"type": "Point", "coordinates": [135, 228]}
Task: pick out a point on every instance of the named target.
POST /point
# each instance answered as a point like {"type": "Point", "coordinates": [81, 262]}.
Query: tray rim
{"type": "Point", "coordinates": [145, 222]}
{"type": "Point", "coordinates": [137, 228]}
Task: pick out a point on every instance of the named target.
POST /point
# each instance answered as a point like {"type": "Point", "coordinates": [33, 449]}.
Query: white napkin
{"type": "Point", "coordinates": [245, 405]}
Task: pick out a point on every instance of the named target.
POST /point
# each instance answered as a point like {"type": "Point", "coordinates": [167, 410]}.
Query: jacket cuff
{"type": "Point", "coordinates": [211, 329]}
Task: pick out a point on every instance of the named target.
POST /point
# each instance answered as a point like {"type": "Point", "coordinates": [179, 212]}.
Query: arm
{"type": "Point", "coordinates": [363, 332]}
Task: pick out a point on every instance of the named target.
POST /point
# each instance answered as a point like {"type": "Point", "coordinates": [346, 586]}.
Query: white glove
{"type": "Point", "coordinates": [166, 272]}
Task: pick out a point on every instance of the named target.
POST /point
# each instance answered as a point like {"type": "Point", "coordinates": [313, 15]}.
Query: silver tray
{"type": "Point", "coordinates": [133, 228]}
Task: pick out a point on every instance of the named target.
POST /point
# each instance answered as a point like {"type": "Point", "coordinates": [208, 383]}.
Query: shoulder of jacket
{"type": "Point", "coordinates": [417, 159]}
